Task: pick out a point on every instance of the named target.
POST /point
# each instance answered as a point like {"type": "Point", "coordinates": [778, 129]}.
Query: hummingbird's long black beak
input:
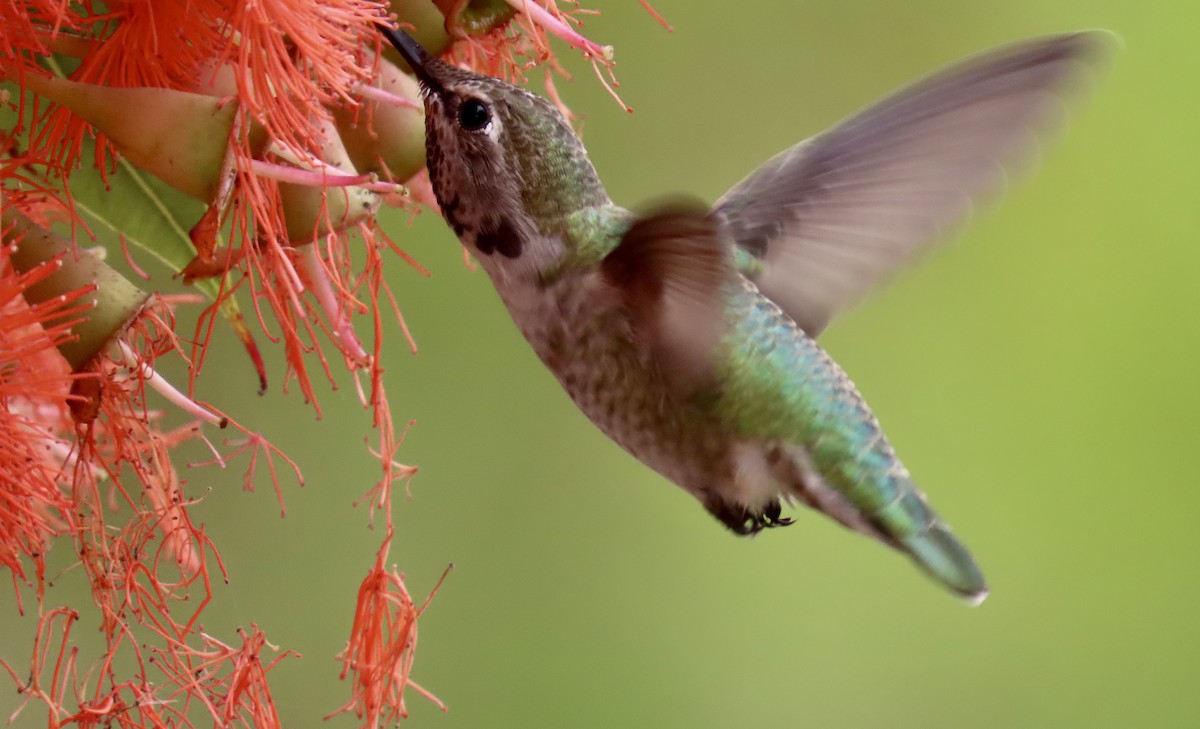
{"type": "Point", "coordinates": [414, 55]}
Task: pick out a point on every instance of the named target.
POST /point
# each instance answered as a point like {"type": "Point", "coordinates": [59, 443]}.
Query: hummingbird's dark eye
{"type": "Point", "coordinates": [474, 115]}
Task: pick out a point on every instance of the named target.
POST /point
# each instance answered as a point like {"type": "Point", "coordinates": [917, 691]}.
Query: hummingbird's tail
{"type": "Point", "coordinates": [941, 556]}
{"type": "Point", "coordinates": [911, 525]}
{"type": "Point", "coordinates": [906, 523]}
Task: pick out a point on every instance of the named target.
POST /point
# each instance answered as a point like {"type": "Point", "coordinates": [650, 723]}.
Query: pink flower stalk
{"type": "Point", "coordinates": [552, 20]}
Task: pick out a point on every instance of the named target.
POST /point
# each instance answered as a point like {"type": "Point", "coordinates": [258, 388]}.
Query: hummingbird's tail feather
{"type": "Point", "coordinates": [911, 525]}
{"type": "Point", "coordinates": [941, 556]}
{"type": "Point", "coordinates": [906, 523]}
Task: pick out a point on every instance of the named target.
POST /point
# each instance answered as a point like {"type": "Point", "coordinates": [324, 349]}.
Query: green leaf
{"type": "Point", "coordinates": [154, 216]}
{"type": "Point", "coordinates": [141, 208]}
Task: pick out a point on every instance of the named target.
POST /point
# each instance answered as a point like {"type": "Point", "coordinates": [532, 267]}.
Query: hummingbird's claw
{"type": "Point", "coordinates": [771, 515]}
{"type": "Point", "coordinates": [746, 522]}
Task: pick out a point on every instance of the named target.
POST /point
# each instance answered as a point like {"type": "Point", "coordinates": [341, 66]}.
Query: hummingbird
{"type": "Point", "coordinates": [687, 333]}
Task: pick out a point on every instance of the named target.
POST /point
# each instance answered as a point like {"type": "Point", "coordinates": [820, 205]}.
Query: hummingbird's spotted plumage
{"type": "Point", "coordinates": [686, 335]}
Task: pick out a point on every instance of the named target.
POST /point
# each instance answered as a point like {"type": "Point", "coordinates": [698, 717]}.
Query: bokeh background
{"type": "Point", "coordinates": [1038, 377]}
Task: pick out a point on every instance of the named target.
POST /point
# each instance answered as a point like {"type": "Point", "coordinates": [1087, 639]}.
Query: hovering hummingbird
{"type": "Point", "coordinates": [687, 334]}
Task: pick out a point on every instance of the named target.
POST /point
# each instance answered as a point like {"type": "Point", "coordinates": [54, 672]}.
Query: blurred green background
{"type": "Point", "coordinates": [1038, 378]}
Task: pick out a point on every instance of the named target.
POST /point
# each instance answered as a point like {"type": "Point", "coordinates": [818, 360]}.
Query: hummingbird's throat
{"type": "Point", "coordinates": [487, 234]}
{"type": "Point", "coordinates": [503, 238]}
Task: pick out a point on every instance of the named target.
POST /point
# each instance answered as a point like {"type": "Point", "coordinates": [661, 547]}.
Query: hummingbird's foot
{"type": "Point", "coordinates": [771, 515]}
{"type": "Point", "coordinates": [747, 522]}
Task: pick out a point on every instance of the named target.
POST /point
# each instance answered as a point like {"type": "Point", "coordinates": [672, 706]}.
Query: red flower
{"type": "Point", "coordinates": [263, 138]}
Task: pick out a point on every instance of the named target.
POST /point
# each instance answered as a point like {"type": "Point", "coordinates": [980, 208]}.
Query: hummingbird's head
{"type": "Point", "coordinates": [506, 167]}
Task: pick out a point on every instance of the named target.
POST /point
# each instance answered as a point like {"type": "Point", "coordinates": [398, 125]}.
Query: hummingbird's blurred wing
{"type": "Point", "coordinates": [670, 270]}
{"type": "Point", "coordinates": [827, 219]}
